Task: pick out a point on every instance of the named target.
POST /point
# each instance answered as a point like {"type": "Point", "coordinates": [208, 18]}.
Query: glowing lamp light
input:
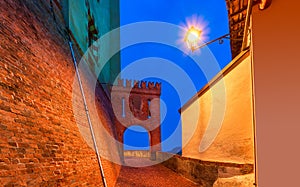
{"type": "Point", "coordinates": [192, 38]}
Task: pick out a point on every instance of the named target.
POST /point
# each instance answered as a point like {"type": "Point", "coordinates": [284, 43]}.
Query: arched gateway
{"type": "Point", "coordinates": [138, 103]}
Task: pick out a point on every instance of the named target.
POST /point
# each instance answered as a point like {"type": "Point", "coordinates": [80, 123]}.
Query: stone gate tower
{"type": "Point", "coordinates": [138, 103]}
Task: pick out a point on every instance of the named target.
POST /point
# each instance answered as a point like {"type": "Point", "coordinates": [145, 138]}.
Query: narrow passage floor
{"type": "Point", "coordinates": [150, 176]}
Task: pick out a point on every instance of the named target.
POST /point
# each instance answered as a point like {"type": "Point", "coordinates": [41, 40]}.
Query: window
{"type": "Point", "coordinates": [93, 51]}
{"type": "Point", "coordinates": [149, 112]}
{"type": "Point", "coordinates": [123, 107]}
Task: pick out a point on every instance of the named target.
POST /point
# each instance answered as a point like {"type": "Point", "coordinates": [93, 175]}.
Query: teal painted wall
{"type": "Point", "coordinates": [106, 17]}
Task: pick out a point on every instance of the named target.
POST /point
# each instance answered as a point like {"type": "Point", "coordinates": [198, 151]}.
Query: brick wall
{"type": "Point", "coordinates": [141, 107]}
{"type": "Point", "coordinates": [40, 143]}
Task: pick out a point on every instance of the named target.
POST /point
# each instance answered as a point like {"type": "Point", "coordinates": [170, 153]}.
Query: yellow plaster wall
{"type": "Point", "coordinates": [234, 142]}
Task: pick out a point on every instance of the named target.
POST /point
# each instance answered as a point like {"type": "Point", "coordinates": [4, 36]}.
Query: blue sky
{"type": "Point", "coordinates": [177, 12]}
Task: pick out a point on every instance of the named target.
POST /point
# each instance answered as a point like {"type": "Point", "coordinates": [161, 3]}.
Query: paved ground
{"type": "Point", "coordinates": [150, 176]}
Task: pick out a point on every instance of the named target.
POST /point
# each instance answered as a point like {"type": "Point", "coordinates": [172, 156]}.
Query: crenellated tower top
{"type": "Point", "coordinates": [133, 86]}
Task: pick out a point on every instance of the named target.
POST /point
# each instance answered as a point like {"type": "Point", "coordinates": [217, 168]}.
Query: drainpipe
{"type": "Point", "coordinates": [82, 92]}
{"type": "Point", "coordinates": [87, 113]}
{"type": "Point", "coordinates": [246, 28]}
{"type": "Point", "coordinates": [244, 46]}
{"type": "Point", "coordinates": [254, 115]}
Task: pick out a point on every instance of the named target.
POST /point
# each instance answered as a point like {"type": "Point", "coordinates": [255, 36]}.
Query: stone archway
{"type": "Point", "coordinates": [138, 103]}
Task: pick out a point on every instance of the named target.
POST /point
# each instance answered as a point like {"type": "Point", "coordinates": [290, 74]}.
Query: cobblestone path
{"type": "Point", "coordinates": [150, 176]}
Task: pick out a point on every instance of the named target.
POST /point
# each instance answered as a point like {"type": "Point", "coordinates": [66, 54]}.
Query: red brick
{"type": "Point", "coordinates": [38, 130]}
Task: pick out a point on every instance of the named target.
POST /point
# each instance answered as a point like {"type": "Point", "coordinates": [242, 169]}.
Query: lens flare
{"type": "Point", "coordinates": [193, 34]}
{"type": "Point", "coordinates": [192, 38]}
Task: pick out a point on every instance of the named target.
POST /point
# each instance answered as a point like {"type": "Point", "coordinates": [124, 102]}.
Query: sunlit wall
{"type": "Point", "coordinates": [234, 141]}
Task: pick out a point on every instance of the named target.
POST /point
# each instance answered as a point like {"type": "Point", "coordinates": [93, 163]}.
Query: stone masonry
{"type": "Point", "coordinates": [40, 144]}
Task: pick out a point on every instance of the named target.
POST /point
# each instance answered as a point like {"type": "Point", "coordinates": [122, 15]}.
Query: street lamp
{"type": "Point", "coordinates": [193, 37]}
